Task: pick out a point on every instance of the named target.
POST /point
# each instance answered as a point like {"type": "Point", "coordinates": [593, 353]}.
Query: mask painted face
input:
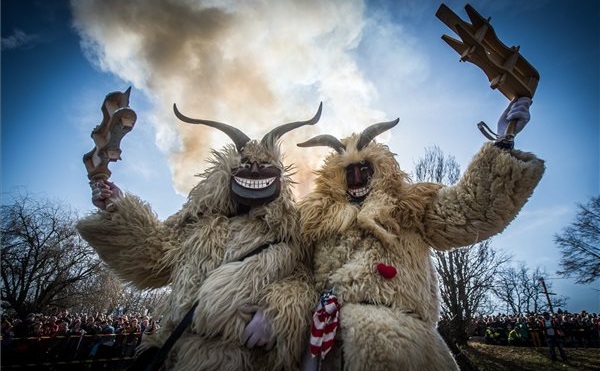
{"type": "Point", "coordinates": [255, 184]}
{"type": "Point", "coordinates": [358, 176]}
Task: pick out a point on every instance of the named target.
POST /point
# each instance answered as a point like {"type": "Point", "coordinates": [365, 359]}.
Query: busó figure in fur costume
{"type": "Point", "coordinates": [372, 231]}
{"type": "Point", "coordinates": [233, 248]}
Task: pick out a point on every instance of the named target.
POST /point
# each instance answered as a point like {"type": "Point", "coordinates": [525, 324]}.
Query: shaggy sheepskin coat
{"type": "Point", "coordinates": [200, 252]}
{"type": "Point", "coordinates": [390, 323]}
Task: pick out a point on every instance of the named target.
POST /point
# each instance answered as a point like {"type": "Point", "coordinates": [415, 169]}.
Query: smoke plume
{"type": "Point", "coordinates": [251, 64]}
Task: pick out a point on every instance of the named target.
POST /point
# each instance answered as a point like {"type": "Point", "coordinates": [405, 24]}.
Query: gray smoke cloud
{"type": "Point", "coordinates": [251, 64]}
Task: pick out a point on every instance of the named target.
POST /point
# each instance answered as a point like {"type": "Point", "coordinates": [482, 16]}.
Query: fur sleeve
{"type": "Point", "coordinates": [289, 303]}
{"type": "Point", "coordinates": [490, 194]}
{"type": "Point", "coordinates": [132, 241]}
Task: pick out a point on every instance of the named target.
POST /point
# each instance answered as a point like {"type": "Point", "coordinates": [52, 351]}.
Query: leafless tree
{"type": "Point", "coordinates": [580, 244]}
{"type": "Point", "coordinates": [43, 257]}
{"type": "Point", "coordinates": [520, 291]}
{"type": "Point", "coordinates": [106, 293]}
{"type": "Point", "coordinates": [45, 265]}
{"type": "Point", "coordinates": [466, 281]}
{"type": "Point", "coordinates": [437, 167]}
{"type": "Point", "coordinates": [465, 274]}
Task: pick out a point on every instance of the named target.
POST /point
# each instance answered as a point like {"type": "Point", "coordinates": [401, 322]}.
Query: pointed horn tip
{"type": "Point", "coordinates": [325, 140]}
{"type": "Point", "coordinates": [181, 116]}
{"type": "Point", "coordinates": [317, 115]}
{"type": "Point", "coordinates": [177, 113]}
{"type": "Point", "coordinates": [312, 142]}
{"type": "Point", "coordinates": [374, 130]}
{"type": "Point", "coordinates": [390, 124]}
{"type": "Point", "coordinates": [319, 110]}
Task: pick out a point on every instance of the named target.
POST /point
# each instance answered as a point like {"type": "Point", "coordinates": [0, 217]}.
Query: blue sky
{"type": "Point", "coordinates": [256, 65]}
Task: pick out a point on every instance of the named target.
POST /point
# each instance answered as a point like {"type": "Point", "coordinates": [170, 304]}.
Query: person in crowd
{"type": "Point", "coordinates": [553, 332]}
{"type": "Point", "coordinates": [492, 336]}
{"type": "Point", "coordinates": [522, 330]}
{"type": "Point", "coordinates": [144, 324]}
{"type": "Point", "coordinates": [90, 325]}
{"type": "Point", "coordinates": [62, 327]}
{"type": "Point", "coordinates": [535, 331]}
{"type": "Point", "coordinates": [132, 337]}
{"type": "Point", "coordinates": [514, 337]}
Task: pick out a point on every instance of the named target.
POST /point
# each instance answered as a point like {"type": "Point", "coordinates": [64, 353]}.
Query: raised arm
{"type": "Point", "coordinates": [130, 239]}
{"type": "Point", "coordinates": [491, 192]}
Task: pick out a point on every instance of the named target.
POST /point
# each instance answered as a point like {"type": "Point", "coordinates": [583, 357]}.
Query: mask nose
{"type": "Point", "coordinates": [357, 178]}
{"type": "Point", "coordinates": [353, 175]}
{"type": "Point", "coordinates": [254, 168]}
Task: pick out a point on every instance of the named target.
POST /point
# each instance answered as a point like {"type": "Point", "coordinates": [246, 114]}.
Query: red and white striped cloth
{"type": "Point", "coordinates": [324, 325]}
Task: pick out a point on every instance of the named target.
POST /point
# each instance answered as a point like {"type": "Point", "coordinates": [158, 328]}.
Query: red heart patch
{"type": "Point", "coordinates": [387, 271]}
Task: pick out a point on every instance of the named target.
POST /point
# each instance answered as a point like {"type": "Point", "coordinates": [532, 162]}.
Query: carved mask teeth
{"type": "Point", "coordinates": [359, 192]}
{"type": "Point", "coordinates": [254, 183]}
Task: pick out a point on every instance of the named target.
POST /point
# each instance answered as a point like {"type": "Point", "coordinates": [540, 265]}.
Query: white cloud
{"type": "Point", "coordinates": [19, 40]}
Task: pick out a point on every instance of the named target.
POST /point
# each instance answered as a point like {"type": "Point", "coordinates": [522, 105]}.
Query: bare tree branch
{"type": "Point", "coordinates": [42, 254]}
{"type": "Point", "coordinates": [580, 244]}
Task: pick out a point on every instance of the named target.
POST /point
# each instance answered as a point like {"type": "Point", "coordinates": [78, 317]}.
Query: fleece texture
{"type": "Point", "coordinates": [199, 252]}
{"type": "Point", "coordinates": [387, 321]}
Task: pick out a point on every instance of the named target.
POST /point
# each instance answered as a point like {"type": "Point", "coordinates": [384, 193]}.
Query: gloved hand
{"type": "Point", "coordinates": [259, 331]}
{"type": "Point", "coordinates": [516, 110]}
{"type": "Point", "coordinates": [102, 192]}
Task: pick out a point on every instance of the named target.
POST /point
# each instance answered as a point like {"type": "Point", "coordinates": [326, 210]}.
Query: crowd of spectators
{"type": "Point", "coordinates": [574, 329]}
{"type": "Point", "coordinates": [73, 337]}
{"type": "Point", "coordinates": [77, 337]}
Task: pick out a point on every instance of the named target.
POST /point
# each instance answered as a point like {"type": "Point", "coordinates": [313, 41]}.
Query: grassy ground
{"type": "Point", "coordinates": [505, 358]}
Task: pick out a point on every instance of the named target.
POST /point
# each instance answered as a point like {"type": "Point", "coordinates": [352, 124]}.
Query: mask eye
{"type": "Point", "coordinates": [364, 167]}
{"type": "Point", "coordinates": [245, 164]}
{"type": "Point", "coordinates": [264, 165]}
{"type": "Point", "coordinates": [366, 170]}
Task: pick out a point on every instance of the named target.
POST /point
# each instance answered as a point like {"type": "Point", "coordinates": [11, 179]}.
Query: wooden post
{"type": "Point", "coordinates": [547, 294]}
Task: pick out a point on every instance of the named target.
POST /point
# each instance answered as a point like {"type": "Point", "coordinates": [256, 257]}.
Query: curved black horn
{"type": "Point", "coordinates": [237, 136]}
{"type": "Point", "coordinates": [272, 136]}
{"type": "Point", "coordinates": [324, 140]}
{"type": "Point", "coordinates": [372, 131]}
